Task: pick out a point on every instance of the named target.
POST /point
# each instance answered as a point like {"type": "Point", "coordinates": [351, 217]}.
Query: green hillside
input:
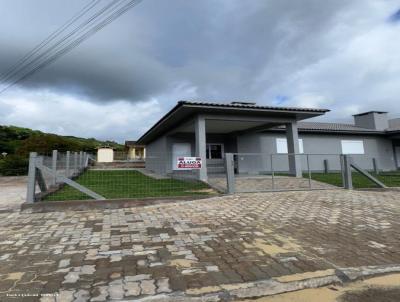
{"type": "Point", "coordinates": [17, 142]}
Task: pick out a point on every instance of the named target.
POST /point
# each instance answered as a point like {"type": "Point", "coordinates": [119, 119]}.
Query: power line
{"type": "Point", "coordinates": [50, 38]}
{"type": "Point", "coordinates": [70, 34]}
{"type": "Point", "coordinates": [91, 31]}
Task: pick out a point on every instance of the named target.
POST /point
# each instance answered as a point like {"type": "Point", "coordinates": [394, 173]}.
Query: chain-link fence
{"type": "Point", "coordinates": [255, 172]}
{"type": "Point", "coordinates": [381, 168]}
{"type": "Point", "coordinates": [75, 176]}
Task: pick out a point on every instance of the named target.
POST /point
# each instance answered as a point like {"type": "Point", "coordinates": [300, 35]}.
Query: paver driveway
{"type": "Point", "coordinates": [194, 247]}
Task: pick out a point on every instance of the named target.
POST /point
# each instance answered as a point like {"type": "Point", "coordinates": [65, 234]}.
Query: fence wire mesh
{"type": "Point", "coordinates": [84, 178]}
{"type": "Point", "coordinates": [379, 167]}
{"type": "Point", "coordinates": [255, 172]}
{"type": "Point", "coordinates": [120, 183]}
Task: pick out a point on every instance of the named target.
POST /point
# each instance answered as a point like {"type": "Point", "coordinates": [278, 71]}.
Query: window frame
{"type": "Point", "coordinates": [352, 141]}
{"type": "Point", "coordinates": [283, 149]}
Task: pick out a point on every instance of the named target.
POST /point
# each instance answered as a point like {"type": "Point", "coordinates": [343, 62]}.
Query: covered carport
{"type": "Point", "coordinates": [200, 124]}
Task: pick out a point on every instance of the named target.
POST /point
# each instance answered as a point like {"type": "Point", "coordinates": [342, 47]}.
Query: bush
{"type": "Point", "coordinates": [12, 165]}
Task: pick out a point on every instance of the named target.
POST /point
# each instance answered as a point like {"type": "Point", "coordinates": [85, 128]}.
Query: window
{"type": "Point", "coordinates": [214, 151]}
{"type": "Point", "coordinates": [281, 145]}
{"type": "Point", "coordinates": [352, 147]}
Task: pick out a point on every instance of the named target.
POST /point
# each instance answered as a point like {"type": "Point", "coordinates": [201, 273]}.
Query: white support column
{"type": "Point", "coordinates": [292, 137]}
{"type": "Point", "coordinates": [200, 134]}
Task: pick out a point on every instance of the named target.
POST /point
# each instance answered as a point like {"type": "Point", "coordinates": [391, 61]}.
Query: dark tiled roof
{"type": "Point", "coordinates": [332, 127]}
{"type": "Point", "coordinates": [368, 112]}
{"type": "Point", "coordinates": [130, 143]}
{"type": "Point", "coordinates": [239, 104]}
{"type": "Point", "coordinates": [185, 108]}
{"type": "Point", "coordinates": [393, 129]}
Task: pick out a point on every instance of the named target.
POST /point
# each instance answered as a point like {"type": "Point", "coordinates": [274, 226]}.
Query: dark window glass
{"type": "Point", "coordinates": [216, 151]}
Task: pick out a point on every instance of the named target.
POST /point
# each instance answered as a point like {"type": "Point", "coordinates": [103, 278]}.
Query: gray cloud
{"type": "Point", "coordinates": [336, 54]}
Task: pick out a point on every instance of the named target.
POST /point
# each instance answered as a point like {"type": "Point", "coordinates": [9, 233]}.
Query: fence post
{"type": "Point", "coordinates": [230, 173]}
{"type": "Point", "coordinates": [30, 193]}
{"type": "Point", "coordinates": [75, 162]}
{"type": "Point", "coordinates": [272, 173]}
{"type": "Point", "coordinates": [67, 160]}
{"type": "Point", "coordinates": [54, 167]}
{"type": "Point", "coordinates": [309, 172]}
{"type": "Point", "coordinates": [326, 166]}
{"type": "Point", "coordinates": [376, 166]}
{"type": "Point", "coordinates": [80, 160]}
{"type": "Point", "coordinates": [39, 175]}
{"type": "Point", "coordinates": [347, 181]}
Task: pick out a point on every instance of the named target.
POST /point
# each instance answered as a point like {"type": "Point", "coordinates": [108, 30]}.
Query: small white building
{"type": "Point", "coordinates": [105, 155]}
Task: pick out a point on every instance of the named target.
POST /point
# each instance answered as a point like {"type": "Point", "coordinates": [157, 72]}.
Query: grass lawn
{"type": "Point", "coordinates": [390, 179]}
{"type": "Point", "coordinates": [128, 184]}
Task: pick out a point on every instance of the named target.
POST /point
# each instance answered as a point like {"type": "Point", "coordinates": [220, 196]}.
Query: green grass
{"type": "Point", "coordinates": [390, 179]}
{"type": "Point", "coordinates": [128, 184]}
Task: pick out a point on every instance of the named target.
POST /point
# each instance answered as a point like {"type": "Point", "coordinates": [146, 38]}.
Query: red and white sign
{"type": "Point", "coordinates": [188, 163]}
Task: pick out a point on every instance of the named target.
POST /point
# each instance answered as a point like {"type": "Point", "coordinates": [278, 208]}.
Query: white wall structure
{"type": "Point", "coordinates": [105, 155]}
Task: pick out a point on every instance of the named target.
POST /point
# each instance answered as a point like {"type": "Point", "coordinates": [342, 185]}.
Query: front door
{"type": "Point", "coordinates": [180, 150]}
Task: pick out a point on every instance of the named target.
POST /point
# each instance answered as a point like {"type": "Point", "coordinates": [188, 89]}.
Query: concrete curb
{"type": "Point", "coordinates": [84, 205]}
{"type": "Point", "coordinates": [251, 290]}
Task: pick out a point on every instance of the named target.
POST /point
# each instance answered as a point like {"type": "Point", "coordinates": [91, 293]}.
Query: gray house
{"type": "Point", "coordinates": [265, 138]}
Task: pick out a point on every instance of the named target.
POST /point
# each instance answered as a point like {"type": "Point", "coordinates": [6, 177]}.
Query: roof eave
{"type": "Point", "coordinates": [288, 110]}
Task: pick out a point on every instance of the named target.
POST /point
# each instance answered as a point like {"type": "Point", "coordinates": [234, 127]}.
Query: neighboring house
{"type": "Point", "coordinates": [256, 133]}
{"type": "Point", "coordinates": [135, 151]}
{"type": "Point", "coordinates": [105, 154]}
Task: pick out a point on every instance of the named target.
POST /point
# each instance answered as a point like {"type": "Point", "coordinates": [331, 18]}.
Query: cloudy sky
{"type": "Point", "coordinates": [337, 54]}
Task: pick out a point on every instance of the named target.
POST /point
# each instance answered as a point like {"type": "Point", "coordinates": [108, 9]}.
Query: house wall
{"type": "Point", "coordinates": [136, 152]}
{"type": "Point", "coordinates": [255, 152]}
{"type": "Point", "coordinates": [156, 155]}
{"type": "Point", "coordinates": [320, 147]}
{"type": "Point", "coordinates": [159, 152]}
{"type": "Point", "coordinates": [213, 165]}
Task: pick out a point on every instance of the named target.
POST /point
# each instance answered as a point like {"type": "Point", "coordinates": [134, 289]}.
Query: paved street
{"type": "Point", "coordinates": [196, 248]}
{"type": "Point", "coordinates": [12, 192]}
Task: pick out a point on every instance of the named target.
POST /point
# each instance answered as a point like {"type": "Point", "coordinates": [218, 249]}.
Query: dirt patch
{"type": "Point", "coordinates": [182, 263]}
{"type": "Point", "coordinates": [372, 295]}
{"type": "Point", "coordinates": [308, 275]}
{"type": "Point", "coordinates": [287, 246]}
{"type": "Point", "coordinates": [15, 276]}
{"type": "Point", "coordinates": [378, 289]}
{"type": "Point", "coordinates": [203, 290]}
{"type": "Point", "coordinates": [388, 280]}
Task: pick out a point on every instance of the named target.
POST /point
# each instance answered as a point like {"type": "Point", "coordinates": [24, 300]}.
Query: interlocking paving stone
{"type": "Point", "coordinates": [130, 253]}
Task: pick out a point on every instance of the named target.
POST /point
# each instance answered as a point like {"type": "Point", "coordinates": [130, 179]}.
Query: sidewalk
{"type": "Point", "coordinates": [220, 248]}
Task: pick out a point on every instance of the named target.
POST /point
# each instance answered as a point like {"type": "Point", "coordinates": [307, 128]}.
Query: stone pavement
{"type": "Point", "coordinates": [263, 183]}
{"type": "Point", "coordinates": [190, 249]}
